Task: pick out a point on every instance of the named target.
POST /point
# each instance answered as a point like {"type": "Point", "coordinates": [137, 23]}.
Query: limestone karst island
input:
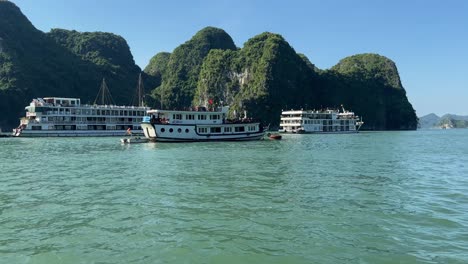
{"type": "Point", "coordinates": [263, 77]}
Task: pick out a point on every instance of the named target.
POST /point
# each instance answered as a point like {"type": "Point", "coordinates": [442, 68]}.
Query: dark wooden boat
{"type": "Point", "coordinates": [274, 136]}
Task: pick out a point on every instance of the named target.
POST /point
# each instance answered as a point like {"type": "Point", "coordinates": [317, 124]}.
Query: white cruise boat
{"type": "Point", "coordinates": [199, 125]}
{"type": "Point", "coordinates": [323, 121]}
{"type": "Point", "coordinates": [67, 117]}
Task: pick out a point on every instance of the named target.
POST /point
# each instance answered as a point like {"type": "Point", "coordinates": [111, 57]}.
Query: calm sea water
{"type": "Point", "coordinates": [387, 197]}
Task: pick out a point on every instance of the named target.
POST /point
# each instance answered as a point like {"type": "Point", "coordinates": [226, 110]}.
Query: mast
{"type": "Point", "coordinates": [138, 98]}
{"type": "Point", "coordinates": [104, 86]}
{"type": "Point", "coordinates": [105, 94]}
{"type": "Point", "coordinates": [141, 92]}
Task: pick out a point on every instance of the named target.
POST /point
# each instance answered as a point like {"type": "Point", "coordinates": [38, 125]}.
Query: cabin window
{"type": "Point", "coordinates": [190, 117]}
{"type": "Point", "coordinates": [215, 130]}
{"type": "Point", "coordinates": [171, 130]}
{"type": "Point", "coordinates": [201, 117]}
{"type": "Point", "coordinates": [228, 129]}
{"type": "Point", "coordinates": [163, 130]}
{"type": "Point", "coordinates": [177, 116]}
{"type": "Point", "coordinates": [214, 117]}
{"type": "Point", "coordinates": [239, 129]}
{"type": "Point", "coordinates": [186, 130]}
{"type": "Point", "coordinates": [179, 130]}
{"type": "Point", "coordinates": [202, 130]}
{"type": "Point", "coordinates": [251, 128]}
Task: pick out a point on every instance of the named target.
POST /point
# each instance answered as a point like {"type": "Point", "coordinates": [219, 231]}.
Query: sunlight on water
{"type": "Point", "coordinates": [390, 197]}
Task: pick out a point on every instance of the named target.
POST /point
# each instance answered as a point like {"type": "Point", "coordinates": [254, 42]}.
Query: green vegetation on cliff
{"type": "Point", "coordinates": [370, 85]}
{"type": "Point", "coordinates": [60, 63]}
{"type": "Point", "coordinates": [181, 74]}
{"type": "Point", "coordinates": [263, 77]}
{"type": "Point", "coordinates": [278, 78]}
{"type": "Point", "coordinates": [158, 64]}
{"type": "Point", "coordinates": [267, 75]}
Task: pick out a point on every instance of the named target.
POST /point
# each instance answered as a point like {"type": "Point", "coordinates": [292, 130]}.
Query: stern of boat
{"type": "Point", "coordinates": [148, 128]}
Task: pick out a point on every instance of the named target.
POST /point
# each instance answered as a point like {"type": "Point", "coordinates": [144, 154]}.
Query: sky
{"type": "Point", "coordinates": [427, 39]}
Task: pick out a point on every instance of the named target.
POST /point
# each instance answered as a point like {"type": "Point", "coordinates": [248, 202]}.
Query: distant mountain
{"type": "Point", "coordinates": [456, 117]}
{"type": "Point", "coordinates": [453, 121]}
{"type": "Point", "coordinates": [428, 121]}
{"type": "Point", "coordinates": [446, 121]}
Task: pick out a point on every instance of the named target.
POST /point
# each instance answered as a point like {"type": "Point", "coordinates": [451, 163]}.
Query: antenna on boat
{"type": "Point", "coordinates": [105, 94]}
{"type": "Point", "coordinates": [138, 98]}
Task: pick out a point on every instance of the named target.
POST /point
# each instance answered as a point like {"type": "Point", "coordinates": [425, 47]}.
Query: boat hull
{"type": "Point", "coordinates": [320, 132]}
{"type": "Point", "coordinates": [74, 133]}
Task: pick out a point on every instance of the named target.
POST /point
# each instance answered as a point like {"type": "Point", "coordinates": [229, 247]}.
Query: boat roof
{"type": "Point", "coordinates": [326, 111]}
{"type": "Point", "coordinates": [61, 98]}
{"type": "Point", "coordinates": [223, 110]}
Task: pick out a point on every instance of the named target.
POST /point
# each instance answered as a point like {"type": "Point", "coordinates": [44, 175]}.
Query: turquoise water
{"type": "Point", "coordinates": [387, 197]}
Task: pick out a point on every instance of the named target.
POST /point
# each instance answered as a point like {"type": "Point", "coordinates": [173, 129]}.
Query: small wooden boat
{"type": "Point", "coordinates": [133, 140]}
{"type": "Point", "coordinates": [274, 136]}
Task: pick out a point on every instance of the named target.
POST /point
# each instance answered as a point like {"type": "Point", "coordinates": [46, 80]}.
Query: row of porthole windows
{"type": "Point", "coordinates": [172, 130]}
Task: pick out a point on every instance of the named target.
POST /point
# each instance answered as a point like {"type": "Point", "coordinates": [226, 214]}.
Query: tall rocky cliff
{"type": "Point", "coordinates": [267, 75]}
{"type": "Point", "coordinates": [370, 85]}
{"type": "Point", "coordinates": [60, 63]}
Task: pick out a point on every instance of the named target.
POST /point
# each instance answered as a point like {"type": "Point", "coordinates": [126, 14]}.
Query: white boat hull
{"type": "Point", "coordinates": [74, 133]}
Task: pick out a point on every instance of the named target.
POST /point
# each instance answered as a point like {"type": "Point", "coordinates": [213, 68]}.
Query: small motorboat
{"type": "Point", "coordinates": [133, 140]}
{"type": "Point", "coordinates": [274, 136]}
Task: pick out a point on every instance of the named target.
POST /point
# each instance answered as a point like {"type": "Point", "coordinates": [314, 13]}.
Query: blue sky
{"type": "Point", "coordinates": [428, 40]}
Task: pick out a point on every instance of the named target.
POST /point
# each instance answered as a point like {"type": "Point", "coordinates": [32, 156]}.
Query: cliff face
{"type": "Point", "coordinates": [158, 65]}
{"type": "Point", "coordinates": [60, 63]}
{"type": "Point", "coordinates": [108, 55]}
{"type": "Point", "coordinates": [263, 77]}
{"type": "Point", "coordinates": [370, 85]}
{"type": "Point", "coordinates": [180, 77]}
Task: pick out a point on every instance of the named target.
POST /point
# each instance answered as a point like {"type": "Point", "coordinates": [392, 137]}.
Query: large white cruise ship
{"type": "Point", "coordinates": [323, 121]}
{"type": "Point", "coordinates": [67, 117]}
{"type": "Point", "coordinates": [61, 117]}
{"type": "Point", "coordinates": [199, 125]}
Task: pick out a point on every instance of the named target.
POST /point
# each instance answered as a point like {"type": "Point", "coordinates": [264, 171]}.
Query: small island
{"type": "Point", "coordinates": [447, 121]}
